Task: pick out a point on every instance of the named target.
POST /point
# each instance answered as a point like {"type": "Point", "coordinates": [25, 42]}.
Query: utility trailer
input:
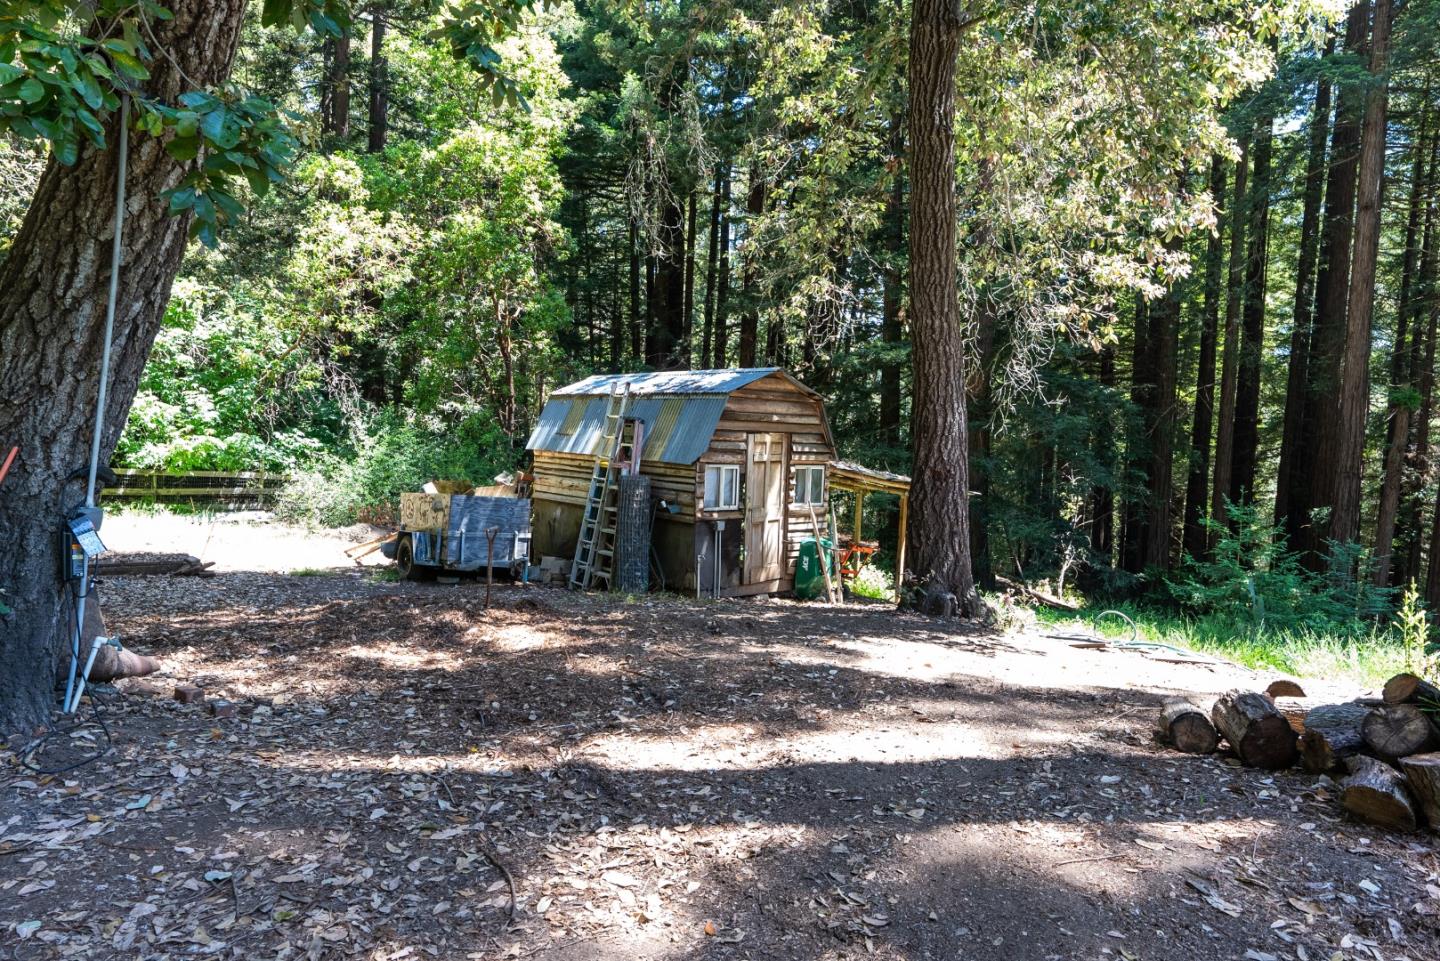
{"type": "Point", "coordinates": [442, 533]}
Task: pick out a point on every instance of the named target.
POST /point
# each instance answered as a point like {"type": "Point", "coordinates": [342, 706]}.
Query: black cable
{"type": "Point", "coordinates": [26, 754]}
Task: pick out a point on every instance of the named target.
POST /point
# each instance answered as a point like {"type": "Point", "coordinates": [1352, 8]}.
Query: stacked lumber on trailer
{"type": "Point", "coordinates": [1384, 752]}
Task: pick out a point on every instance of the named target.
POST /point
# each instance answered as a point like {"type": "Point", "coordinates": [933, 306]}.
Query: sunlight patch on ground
{"type": "Point", "coordinates": [740, 748]}
{"type": "Point", "coordinates": [404, 657]}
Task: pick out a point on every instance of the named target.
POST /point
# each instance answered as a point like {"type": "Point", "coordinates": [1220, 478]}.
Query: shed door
{"type": "Point", "coordinates": [765, 508]}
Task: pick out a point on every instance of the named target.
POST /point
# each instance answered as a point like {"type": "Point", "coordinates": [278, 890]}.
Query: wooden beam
{"type": "Point", "coordinates": [856, 529]}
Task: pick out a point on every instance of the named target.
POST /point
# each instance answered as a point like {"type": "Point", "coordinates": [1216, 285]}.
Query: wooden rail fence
{"type": "Point", "coordinates": [237, 489]}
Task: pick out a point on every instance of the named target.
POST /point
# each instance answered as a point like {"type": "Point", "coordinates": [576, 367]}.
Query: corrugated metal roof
{"type": "Point", "coordinates": [669, 382]}
{"type": "Point", "coordinates": [677, 428]}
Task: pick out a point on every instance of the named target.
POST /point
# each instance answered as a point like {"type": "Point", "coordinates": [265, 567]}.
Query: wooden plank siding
{"type": "Point", "coordinates": [775, 405]}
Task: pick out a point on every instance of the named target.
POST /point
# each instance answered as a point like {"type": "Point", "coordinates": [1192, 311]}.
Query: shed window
{"type": "Point", "coordinates": [722, 487]}
{"type": "Point", "coordinates": [809, 485]}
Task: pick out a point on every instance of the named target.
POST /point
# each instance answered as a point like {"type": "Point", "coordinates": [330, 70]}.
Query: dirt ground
{"type": "Point", "coordinates": [659, 779]}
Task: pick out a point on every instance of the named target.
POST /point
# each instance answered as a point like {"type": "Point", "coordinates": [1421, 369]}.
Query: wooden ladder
{"type": "Point", "coordinates": [594, 560]}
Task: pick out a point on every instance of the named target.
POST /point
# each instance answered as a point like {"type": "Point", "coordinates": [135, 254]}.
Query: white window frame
{"type": "Point", "coordinates": [715, 486]}
{"type": "Point", "coordinates": [803, 496]}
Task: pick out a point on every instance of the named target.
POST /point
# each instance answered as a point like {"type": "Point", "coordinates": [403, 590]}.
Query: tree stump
{"type": "Point", "coordinates": [1423, 773]}
{"type": "Point", "coordinates": [1375, 792]}
{"type": "Point", "coordinates": [1409, 689]}
{"type": "Point", "coordinates": [1398, 730]}
{"type": "Point", "coordinates": [1331, 734]}
{"type": "Point", "coordinates": [1256, 730]}
{"type": "Point", "coordinates": [1185, 725]}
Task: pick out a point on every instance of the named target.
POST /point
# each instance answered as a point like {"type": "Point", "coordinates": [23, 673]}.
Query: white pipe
{"type": "Point", "coordinates": [115, 252]}
{"type": "Point", "coordinates": [72, 697]}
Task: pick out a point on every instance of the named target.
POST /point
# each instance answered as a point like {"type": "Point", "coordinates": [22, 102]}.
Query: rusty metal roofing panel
{"type": "Point", "coordinates": [677, 428]}
{"type": "Point", "coordinates": [670, 382]}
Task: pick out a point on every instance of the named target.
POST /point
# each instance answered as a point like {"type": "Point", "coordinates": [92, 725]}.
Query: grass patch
{"type": "Point", "coordinates": [1367, 658]}
{"type": "Point", "coordinates": [384, 575]}
{"type": "Point", "coordinates": [310, 572]}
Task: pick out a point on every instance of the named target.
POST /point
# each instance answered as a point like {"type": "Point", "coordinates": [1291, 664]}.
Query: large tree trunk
{"type": "Point", "coordinates": [1102, 496]}
{"type": "Point", "coordinates": [636, 330]}
{"type": "Point", "coordinates": [1252, 340]}
{"type": "Point", "coordinates": [1332, 287]}
{"type": "Point", "coordinates": [667, 330]}
{"type": "Point", "coordinates": [1289, 475]}
{"type": "Point", "coordinates": [750, 281]}
{"type": "Point", "coordinates": [1352, 401]}
{"type": "Point", "coordinates": [1137, 448]}
{"type": "Point", "coordinates": [52, 315]}
{"type": "Point", "coordinates": [1194, 541]}
{"type": "Point", "coordinates": [1230, 359]}
{"type": "Point", "coordinates": [1160, 420]}
{"type": "Point", "coordinates": [722, 292]}
{"type": "Point", "coordinates": [939, 520]}
{"type": "Point", "coordinates": [707, 340]}
{"type": "Point", "coordinates": [379, 82]}
{"type": "Point", "coordinates": [1420, 358]}
{"type": "Point", "coordinates": [687, 341]}
{"type": "Point", "coordinates": [337, 88]}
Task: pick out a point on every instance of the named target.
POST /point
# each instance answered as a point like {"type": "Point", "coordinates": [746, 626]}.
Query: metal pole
{"type": "Point", "coordinates": [72, 697]}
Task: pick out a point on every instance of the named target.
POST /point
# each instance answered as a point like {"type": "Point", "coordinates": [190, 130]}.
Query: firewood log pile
{"type": "Point", "coordinates": [1384, 752]}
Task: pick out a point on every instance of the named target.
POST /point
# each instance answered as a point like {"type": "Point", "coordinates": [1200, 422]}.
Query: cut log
{"type": "Point", "coordinates": [1398, 730]}
{"type": "Point", "coordinates": [1331, 733]}
{"type": "Point", "coordinates": [1422, 771]}
{"type": "Point", "coordinates": [1298, 709]}
{"type": "Point", "coordinates": [1256, 730]}
{"type": "Point", "coordinates": [1284, 687]}
{"type": "Point", "coordinates": [1409, 689]}
{"type": "Point", "coordinates": [1185, 725]}
{"type": "Point", "coordinates": [1375, 792]}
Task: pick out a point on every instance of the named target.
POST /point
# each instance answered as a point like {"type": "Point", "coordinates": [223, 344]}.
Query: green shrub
{"type": "Point", "coordinates": [392, 456]}
{"type": "Point", "coordinates": [873, 583]}
{"type": "Point", "coordinates": [1255, 585]}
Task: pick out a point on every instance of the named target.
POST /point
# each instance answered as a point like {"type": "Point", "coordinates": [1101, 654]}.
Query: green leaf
{"type": "Point", "coordinates": [32, 91]}
{"type": "Point", "coordinates": [183, 148]}
{"type": "Point", "coordinates": [67, 150]}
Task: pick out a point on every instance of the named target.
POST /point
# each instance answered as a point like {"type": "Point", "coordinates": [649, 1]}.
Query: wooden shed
{"type": "Point", "coordinates": [737, 461]}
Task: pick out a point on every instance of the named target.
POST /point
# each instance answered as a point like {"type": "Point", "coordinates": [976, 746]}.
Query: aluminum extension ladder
{"type": "Point", "coordinates": [594, 560]}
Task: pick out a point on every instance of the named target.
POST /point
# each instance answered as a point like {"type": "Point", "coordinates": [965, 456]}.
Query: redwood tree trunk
{"type": "Point", "coordinates": [750, 315]}
{"type": "Point", "coordinates": [1252, 341]}
{"type": "Point", "coordinates": [337, 82]}
{"type": "Point", "coordinates": [1160, 419]}
{"type": "Point", "coordinates": [1332, 286]}
{"type": "Point", "coordinates": [1403, 371]}
{"type": "Point", "coordinates": [1288, 477]}
{"type": "Point", "coordinates": [939, 521]}
{"type": "Point", "coordinates": [722, 289]}
{"type": "Point", "coordinates": [52, 316]}
{"type": "Point", "coordinates": [1353, 397]}
{"type": "Point", "coordinates": [1230, 361]}
{"type": "Point", "coordinates": [707, 342]}
{"type": "Point", "coordinates": [379, 83]}
{"type": "Point", "coordinates": [667, 331]}
{"type": "Point", "coordinates": [1194, 540]}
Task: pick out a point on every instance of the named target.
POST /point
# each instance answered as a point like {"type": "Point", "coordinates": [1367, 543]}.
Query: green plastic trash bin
{"type": "Point", "coordinates": [809, 577]}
